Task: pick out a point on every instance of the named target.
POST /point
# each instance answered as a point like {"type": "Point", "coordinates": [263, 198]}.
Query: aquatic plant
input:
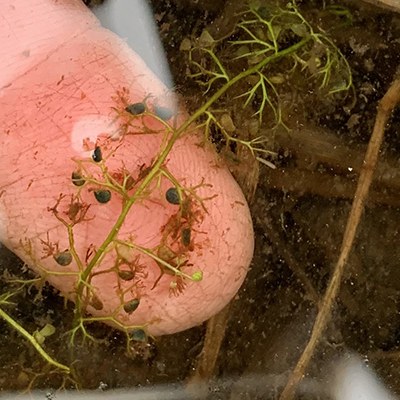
{"type": "Point", "coordinates": [262, 37]}
{"type": "Point", "coordinates": [269, 47]}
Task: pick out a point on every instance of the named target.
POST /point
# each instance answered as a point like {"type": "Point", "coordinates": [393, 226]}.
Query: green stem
{"type": "Point", "coordinates": [33, 342]}
{"type": "Point", "coordinates": [242, 75]}
{"type": "Point", "coordinates": [164, 153]}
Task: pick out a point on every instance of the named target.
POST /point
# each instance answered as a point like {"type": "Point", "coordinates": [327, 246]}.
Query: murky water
{"type": "Point", "coordinates": [299, 207]}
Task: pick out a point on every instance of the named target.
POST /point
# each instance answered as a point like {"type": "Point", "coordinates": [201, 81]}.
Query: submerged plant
{"type": "Point", "coordinates": [269, 48]}
{"type": "Point", "coordinates": [261, 38]}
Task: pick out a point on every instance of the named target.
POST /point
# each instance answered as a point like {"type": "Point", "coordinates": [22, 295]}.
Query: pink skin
{"type": "Point", "coordinates": [61, 72]}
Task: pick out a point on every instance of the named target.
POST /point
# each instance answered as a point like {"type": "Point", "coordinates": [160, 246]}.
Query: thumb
{"type": "Point", "coordinates": [153, 209]}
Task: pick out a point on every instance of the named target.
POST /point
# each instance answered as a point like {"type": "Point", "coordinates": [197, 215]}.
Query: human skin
{"type": "Point", "coordinates": [64, 85]}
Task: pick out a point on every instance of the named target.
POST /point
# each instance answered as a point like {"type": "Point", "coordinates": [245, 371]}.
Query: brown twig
{"type": "Point", "coordinates": [312, 147]}
{"type": "Point", "coordinates": [390, 4]}
{"type": "Point", "coordinates": [385, 108]}
{"type": "Point", "coordinates": [302, 182]}
{"type": "Point", "coordinates": [322, 163]}
{"type": "Point", "coordinates": [197, 384]}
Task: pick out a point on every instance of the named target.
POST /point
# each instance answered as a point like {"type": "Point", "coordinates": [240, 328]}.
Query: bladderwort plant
{"type": "Point", "coordinates": [262, 37]}
{"type": "Point", "coordinates": [243, 66]}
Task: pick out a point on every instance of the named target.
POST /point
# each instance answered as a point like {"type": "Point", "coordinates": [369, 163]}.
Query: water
{"type": "Point", "coordinates": [299, 211]}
